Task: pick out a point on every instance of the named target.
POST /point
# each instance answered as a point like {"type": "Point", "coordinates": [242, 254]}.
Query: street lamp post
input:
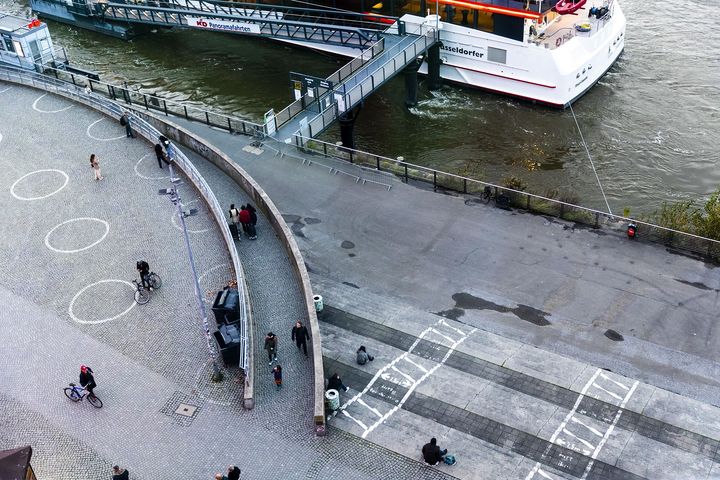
{"type": "Point", "coordinates": [175, 199]}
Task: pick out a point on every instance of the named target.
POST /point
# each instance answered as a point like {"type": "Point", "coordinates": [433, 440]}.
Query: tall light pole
{"type": "Point", "coordinates": [175, 199]}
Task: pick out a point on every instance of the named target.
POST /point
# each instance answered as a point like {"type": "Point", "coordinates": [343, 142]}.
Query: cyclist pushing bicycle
{"type": "Point", "coordinates": [87, 380]}
{"type": "Point", "coordinates": [144, 269]}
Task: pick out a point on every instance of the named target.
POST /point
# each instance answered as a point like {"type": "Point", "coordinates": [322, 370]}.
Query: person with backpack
{"type": "Point", "coordinates": [160, 154]}
{"type": "Point", "coordinates": [362, 356]}
{"type": "Point", "coordinates": [300, 335]}
{"type": "Point", "coordinates": [336, 383]}
{"type": "Point", "coordinates": [125, 122]}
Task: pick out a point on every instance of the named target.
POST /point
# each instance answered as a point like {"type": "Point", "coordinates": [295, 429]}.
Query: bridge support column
{"type": "Point", "coordinates": [433, 58]}
{"type": "Point", "coordinates": [411, 83]}
{"type": "Point", "coordinates": [347, 124]}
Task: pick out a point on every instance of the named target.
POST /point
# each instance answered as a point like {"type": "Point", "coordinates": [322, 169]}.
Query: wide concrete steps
{"type": "Point", "coordinates": [505, 409]}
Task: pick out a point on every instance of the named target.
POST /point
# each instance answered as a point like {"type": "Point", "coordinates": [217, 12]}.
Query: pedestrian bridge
{"type": "Point", "coordinates": [326, 101]}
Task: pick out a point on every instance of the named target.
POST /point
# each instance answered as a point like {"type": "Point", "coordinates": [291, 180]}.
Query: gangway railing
{"type": "Point", "coordinates": [305, 28]}
{"type": "Point", "coordinates": [371, 75]}
{"type": "Point", "coordinates": [105, 105]}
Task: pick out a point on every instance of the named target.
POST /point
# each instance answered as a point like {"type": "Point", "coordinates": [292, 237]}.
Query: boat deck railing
{"type": "Point", "coordinates": [562, 35]}
{"type": "Point", "coordinates": [289, 23]}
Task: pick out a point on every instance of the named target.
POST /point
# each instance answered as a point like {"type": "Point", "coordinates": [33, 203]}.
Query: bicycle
{"type": "Point", "coordinates": [77, 393]}
{"type": "Point", "coordinates": [501, 200]}
{"type": "Point", "coordinates": [142, 295]}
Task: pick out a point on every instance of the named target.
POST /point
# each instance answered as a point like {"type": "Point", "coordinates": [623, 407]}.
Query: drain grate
{"type": "Point", "coordinates": [182, 408]}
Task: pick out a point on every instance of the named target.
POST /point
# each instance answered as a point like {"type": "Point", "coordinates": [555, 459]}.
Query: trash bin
{"type": "Point", "coordinates": [333, 399]}
{"type": "Point", "coordinates": [228, 341]}
{"type": "Point", "coordinates": [318, 303]}
{"type": "Point", "coordinates": [226, 306]}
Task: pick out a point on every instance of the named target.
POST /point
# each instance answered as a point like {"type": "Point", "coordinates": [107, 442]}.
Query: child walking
{"type": "Point", "coordinates": [277, 375]}
{"type": "Point", "coordinates": [95, 165]}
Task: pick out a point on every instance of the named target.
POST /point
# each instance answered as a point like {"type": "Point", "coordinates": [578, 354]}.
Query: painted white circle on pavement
{"type": "Point", "coordinates": [174, 221]}
{"type": "Point", "coordinates": [72, 220]}
{"type": "Point", "coordinates": [87, 131]}
{"type": "Point", "coordinates": [35, 107]}
{"type": "Point", "coordinates": [102, 320]}
{"type": "Point", "coordinates": [137, 172]}
{"type": "Point", "coordinates": [12, 188]}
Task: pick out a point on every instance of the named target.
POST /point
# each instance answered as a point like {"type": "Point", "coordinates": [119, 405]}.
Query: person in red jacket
{"type": "Point", "coordinates": [245, 219]}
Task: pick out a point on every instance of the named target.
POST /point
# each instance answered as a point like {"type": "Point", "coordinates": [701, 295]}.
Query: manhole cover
{"type": "Point", "coordinates": [186, 410]}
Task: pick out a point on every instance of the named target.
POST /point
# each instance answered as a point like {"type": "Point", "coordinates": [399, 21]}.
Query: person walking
{"type": "Point", "coordinates": [95, 165]}
{"type": "Point", "coordinates": [277, 375]}
{"type": "Point", "coordinates": [253, 214]}
{"type": "Point", "coordinates": [336, 383]}
{"type": "Point", "coordinates": [245, 220]}
{"type": "Point", "coordinates": [432, 453]}
{"type": "Point", "coordinates": [220, 476]}
{"type": "Point", "coordinates": [271, 347]}
{"type": "Point", "coordinates": [233, 472]}
{"type": "Point", "coordinates": [120, 473]}
{"type": "Point", "coordinates": [362, 356]}
{"type": "Point", "coordinates": [234, 214]}
{"type": "Point", "coordinates": [160, 154]}
{"type": "Point", "coordinates": [300, 335]}
{"type": "Point", "coordinates": [125, 122]}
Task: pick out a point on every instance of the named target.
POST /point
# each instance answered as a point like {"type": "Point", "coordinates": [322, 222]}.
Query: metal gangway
{"type": "Point", "coordinates": [341, 92]}
{"type": "Point", "coordinates": [297, 24]}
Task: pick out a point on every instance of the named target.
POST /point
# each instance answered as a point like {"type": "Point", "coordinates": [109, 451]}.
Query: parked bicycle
{"type": "Point", "coordinates": [490, 193]}
{"type": "Point", "coordinates": [77, 393]}
{"type": "Point", "coordinates": [142, 294]}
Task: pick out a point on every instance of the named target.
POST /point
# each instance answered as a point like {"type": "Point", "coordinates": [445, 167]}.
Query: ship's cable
{"type": "Point", "coordinates": [591, 160]}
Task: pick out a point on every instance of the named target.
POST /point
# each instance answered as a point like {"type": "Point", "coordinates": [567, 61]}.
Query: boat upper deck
{"type": "Point", "coordinates": [559, 29]}
{"type": "Point", "coordinates": [17, 26]}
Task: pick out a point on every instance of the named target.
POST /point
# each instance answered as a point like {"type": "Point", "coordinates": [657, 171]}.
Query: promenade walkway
{"type": "Point", "coordinates": [69, 248]}
{"type": "Point", "coordinates": [454, 298]}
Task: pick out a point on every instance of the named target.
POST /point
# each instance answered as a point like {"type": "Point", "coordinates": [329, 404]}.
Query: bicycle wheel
{"type": "Point", "coordinates": [486, 195]}
{"type": "Point", "coordinates": [142, 296]}
{"type": "Point", "coordinates": [94, 401]}
{"type": "Point", "coordinates": [155, 281]}
{"type": "Point", "coordinates": [72, 394]}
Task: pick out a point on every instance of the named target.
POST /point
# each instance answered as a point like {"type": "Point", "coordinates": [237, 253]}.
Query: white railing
{"type": "Point", "coordinates": [114, 110]}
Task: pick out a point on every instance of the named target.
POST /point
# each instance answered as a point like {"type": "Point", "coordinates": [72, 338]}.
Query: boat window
{"type": "Point", "coordinates": [8, 43]}
{"type": "Point", "coordinates": [18, 49]}
{"type": "Point", "coordinates": [497, 54]}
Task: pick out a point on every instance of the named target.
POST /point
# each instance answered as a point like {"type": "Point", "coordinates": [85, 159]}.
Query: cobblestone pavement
{"type": "Point", "coordinates": [69, 249]}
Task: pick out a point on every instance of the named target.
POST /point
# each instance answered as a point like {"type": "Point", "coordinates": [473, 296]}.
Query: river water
{"type": "Point", "coordinates": [652, 124]}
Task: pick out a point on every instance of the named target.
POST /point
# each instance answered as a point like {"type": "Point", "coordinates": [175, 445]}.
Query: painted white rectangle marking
{"type": "Point", "coordinates": [618, 397]}
{"type": "Point", "coordinates": [362, 425]}
{"type": "Point", "coordinates": [420, 367]}
{"type": "Point", "coordinates": [442, 335]}
{"type": "Point", "coordinates": [410, 379]}
{"type": "Point", "coordinates": [621, 385]}
{"type": "Point", "coordinates": [584, 442]}
{"type": "Point", "coordinates": [593, 430]}
{"type": "Point", "coordinates": [372, 409]}
{"type": "Point", "coordinates": [544, 475]}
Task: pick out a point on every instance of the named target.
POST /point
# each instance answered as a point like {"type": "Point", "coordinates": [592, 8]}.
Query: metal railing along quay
{"type": "Point", "coordinates": [440, 180]}
{"type": "Point", "coordinates": [107, 106]}
{"type": "Point", "coordinates": [167, 107]}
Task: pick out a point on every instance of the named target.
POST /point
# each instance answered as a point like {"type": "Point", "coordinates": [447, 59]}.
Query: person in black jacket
{"type": "Point", "coordinates": [253, 214]}
{"type": "Point", "coordinates": [86, 379]}
{"type": "Point", "coordinates": [335, 383]}
{"type": "Point", "coordinates": [233, 473]}
{"type": "Point", "coordinates": [300, 335]}
{"type": "Point", "coordinates": [120, 473]}
{"type": "Point", "coordinates": [432, 453]}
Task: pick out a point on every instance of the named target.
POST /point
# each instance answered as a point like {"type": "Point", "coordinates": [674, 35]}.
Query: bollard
{"type": "Point", "coordinates": [318, 303]}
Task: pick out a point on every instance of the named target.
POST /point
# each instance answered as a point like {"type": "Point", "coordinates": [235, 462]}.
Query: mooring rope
{"type": "Point", "coordinates": [591, 160]}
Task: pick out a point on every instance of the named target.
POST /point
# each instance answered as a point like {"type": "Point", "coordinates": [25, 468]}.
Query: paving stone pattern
{"type": "Point", "coordinates": [496, 433]}
{"type": "Point", "coordinates": [153, 358]}
{"type": "Point", "coordinates": [631, 421]}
